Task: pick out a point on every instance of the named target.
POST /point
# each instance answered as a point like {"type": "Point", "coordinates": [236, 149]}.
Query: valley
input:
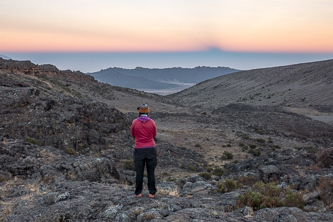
{"type": "Point", "coordinates": [66, 150]}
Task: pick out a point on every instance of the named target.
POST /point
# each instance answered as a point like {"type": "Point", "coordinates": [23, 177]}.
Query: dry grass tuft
{"type": "Point", "coordinates": [6, 210]}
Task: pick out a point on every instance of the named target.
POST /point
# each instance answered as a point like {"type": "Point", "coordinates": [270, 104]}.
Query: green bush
{"type": "Point", "coordinates": [255, 152]}
{"type": "Point", "coordinates": [32, 141]}
{"type": "Point", "coordinates": [269, 189]}
{"type": "Point", "coordinates": [70, 151]}
{"type": "Point", "coordinates": [165, 174]}
{"type": "Point", "coordinates": [294, 199]}
{"type": "Point", "coordinates": [218, 172]}
{"type": "Point", "coordinates": [269, 195]}
{"type": "Point", "coordinates": [207, 176]}
{"type": "Point", "coordinates": [227, 156]}
{"type": "Point", "coordinates": [228, 185]}
{"type": "Point", "coordinates": [245, 136]}
{"type": "Point", "coordinates": [251, 198]}
{"type": "Point", "coordinates": [193, 168]}
{"type": "Point", "coordinates": [260, 131]}
{"type": "Point", "coordinates": [209, 169]}
{"type": "Point", "coordinates": [259, 140]}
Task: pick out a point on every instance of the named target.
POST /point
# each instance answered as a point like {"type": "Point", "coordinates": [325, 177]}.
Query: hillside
{"type": "Point", "coordinates": [171, 79]}
{"type": "Point", "coordinates": [300, 85]}
{"type": "Point", "coordinates": [66, 151]}
{"type": "Point", "coordinates": [302, 88]}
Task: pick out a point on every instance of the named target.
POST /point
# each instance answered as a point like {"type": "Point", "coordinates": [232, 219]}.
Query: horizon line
{"type": "Point", "coordinates": [211, 49]}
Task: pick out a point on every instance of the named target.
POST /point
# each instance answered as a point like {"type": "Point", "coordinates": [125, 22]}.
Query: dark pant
{"type": "Point", "coordinates": [145, 157]}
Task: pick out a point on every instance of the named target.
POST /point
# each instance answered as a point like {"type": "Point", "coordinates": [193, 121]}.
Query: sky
{"type": "Point", "coordinates": [166, 33]}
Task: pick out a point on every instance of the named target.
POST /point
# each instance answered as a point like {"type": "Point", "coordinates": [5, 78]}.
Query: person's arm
{"type": "Point", "coordinates": [154, 130]}
{"type": "Point", "coordinates": [132, 130]}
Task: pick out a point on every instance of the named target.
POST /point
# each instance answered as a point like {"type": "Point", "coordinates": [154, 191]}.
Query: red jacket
{"type": "Point", "coordinates": [144, 131]}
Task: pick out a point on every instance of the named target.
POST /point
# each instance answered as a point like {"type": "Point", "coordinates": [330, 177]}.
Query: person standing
{"type": "Point", "coordinates": [144, 131]}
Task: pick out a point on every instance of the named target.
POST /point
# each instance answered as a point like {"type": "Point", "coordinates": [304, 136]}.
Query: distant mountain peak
{"type": "Point", "coordinates": [162, 79]}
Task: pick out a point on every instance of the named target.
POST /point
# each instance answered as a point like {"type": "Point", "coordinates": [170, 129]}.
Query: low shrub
{"type": "Point", "coordinates": [259, 140]}
{"type": "Point", "coordinates": [269, 189]}
{"type": "Point", "coordinates": [70, 151]}
{"type": "Point", "coordinates": [269, 195]}
{"type": "Point", "coordinates": [251, 198]}
{"type": "Point", "coordinates": [312, 149]}
{"type": "Point", "coordinates": [245, 136]}
{"type": "Point", "coordinates": [48, 179]}
{"type": "Point", "coordinates": [255, 152]}
{"type": "Point", "coordinates": [129, 165]}
{"type": "Point", "coordinates": [32, 141]}
{"type": "Point", "coordinates": [171, 179]}
{"type": "Point", "coordinates": [260, 131]}
{"type": "Point", "coordinates": [326, 190]}
{"type": "Point", "coordinates": [228, 185]}
{"type": "Point", "coordinates": [294, 199]}
{"type": "Point", "coordinates": [218, 172]}
{"type": "Point", "coordinates": [4, 176]}
{"type": "Point", "coordinates": [165, 174]}
{"type": "Point", "coordinates": [227, 156]}
{"type": "Point", "coordinates": [193, 168]}
{"type": "Point", "coordinates": [313, 167]}
{"type": "Point", "coordinates": [149, 216]}
{"type": "Point", "coordinates": [325, 159]}
{"type": "Point", "coordinates": [209, 169]}
{"type": "Point", "coordinates": [207, 176]}
{"type": "Point", "coordinates": [247, 180]}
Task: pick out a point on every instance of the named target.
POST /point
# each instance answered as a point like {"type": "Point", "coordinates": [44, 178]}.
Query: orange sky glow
{"type": "Point", "coordinates": [166, 25]}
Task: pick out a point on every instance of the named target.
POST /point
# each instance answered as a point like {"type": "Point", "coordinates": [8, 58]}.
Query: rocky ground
{"type": "Point", "coordinates": [66, 154]}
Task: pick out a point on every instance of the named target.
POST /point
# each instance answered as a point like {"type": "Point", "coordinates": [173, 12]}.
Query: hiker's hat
{"type": "Point", "coordinates": [143, 108]}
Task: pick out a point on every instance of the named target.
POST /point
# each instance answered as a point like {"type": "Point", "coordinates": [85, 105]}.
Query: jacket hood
{"type": "Point", "coordinates": [143, 118]}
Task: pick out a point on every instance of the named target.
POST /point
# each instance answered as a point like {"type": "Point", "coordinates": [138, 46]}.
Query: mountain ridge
{"type": "Point", "coordinates": [163, 79]}
{"type": "Point", "coordinates": [305, 84]}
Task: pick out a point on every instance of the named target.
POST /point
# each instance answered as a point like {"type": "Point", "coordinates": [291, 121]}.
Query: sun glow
{"type": "Point", "coordinates": [100, 25]}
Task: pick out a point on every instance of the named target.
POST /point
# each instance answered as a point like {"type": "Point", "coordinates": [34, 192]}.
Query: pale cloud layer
{"type": "Point", "coordinates": [166, 25]}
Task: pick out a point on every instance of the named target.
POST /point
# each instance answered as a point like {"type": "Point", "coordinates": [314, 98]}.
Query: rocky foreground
{"type": "Point", "coordinates": [66, 155]}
